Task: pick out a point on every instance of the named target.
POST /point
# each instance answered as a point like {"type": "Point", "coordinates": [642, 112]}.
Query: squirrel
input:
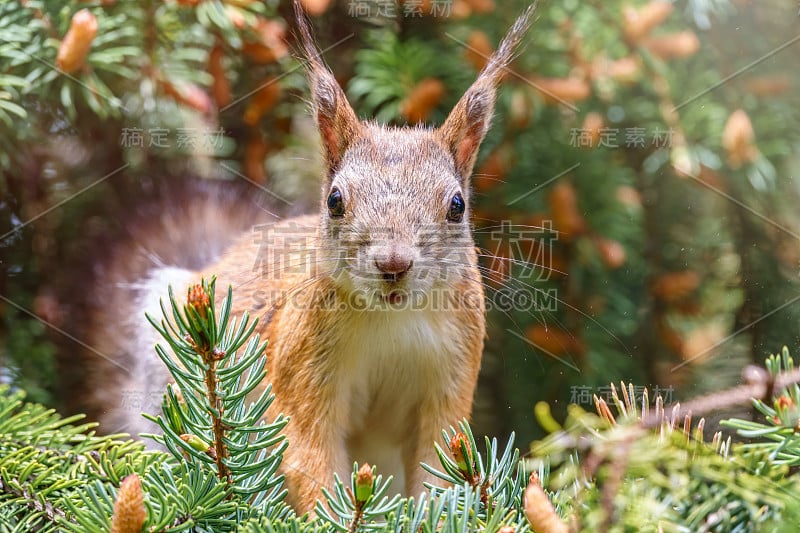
{"type": "Point", "coordinates": [373, 308]}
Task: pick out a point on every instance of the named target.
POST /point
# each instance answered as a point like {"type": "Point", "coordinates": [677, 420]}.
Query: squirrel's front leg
{"type": "Point", "coordinates": [440, 411]}
{"type": "Point", "coordinates": [310, 461]}
{"type": "Point", "coordinates": [419, 448]}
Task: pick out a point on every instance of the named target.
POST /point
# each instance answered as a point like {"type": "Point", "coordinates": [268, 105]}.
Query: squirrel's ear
{"type": "Point", "coordinates": [469, 120]}
{"type": "Point", "coordinates": [337, 122]}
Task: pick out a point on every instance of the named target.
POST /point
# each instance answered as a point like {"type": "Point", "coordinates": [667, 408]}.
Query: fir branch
{"type": "Point", "coordinates": [760, 387]}
{"type": "Point", "coordinates": [14, 488]}
{"type": "Point", "coordinates": [208, 416]}
{"type": "Point", "coordinates": [217, 412]}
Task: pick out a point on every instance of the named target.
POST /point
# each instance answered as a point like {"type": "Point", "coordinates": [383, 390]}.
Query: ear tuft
{"type": "Point", "coordinates": [338, 124]}
{"type": "Point", "coordinates": [468, 122]}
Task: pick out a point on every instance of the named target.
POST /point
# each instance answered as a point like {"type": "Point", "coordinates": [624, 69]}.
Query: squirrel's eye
{"type": "Point", "coordinates": [335, 203]}
{"type": "Point", "coordinates": [455, 213]}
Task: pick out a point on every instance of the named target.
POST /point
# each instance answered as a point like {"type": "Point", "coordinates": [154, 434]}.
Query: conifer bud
{"type": "Point", "coordinates": [315, 7]}
{"type": "Point", "coordinates": [675, 286]}
{"type": "Point", "coordinates": [255, 151]}
{"type": "Point", "coordinates": [494, 168]}
{"type": "Point", "coordinates": [77, 42]}
{"type": "Point", "coordinates": [478, 50]}
{"type": "Point", "coordinates": [738, 139]}
{"type": "Point", "coordinates": [458, 445]}
{"type": "Point", "coordinates": [673, 46]}
{"type": "Point", "coordinates": [178, 393]}
{"type": "Point", "coordinates": [271, 44]}
{"type": "Point", "coordinates": [481, 6]}
{"type": "Point", "coordinates": [683, 161]}
{"type": "Point", "coordinates": [591, 127]}
{"type": "Point", "coordinates": [625, 69]}
{"type": "Point", "coordinates": [638, 22]}
{"type": "Point", "coordinates": [129, 512]}
{"type": "Point", "coordinates": [775, 85]}
{"type": "Point", "coordinates": [199, 444]}
{"type": "Point", "coordinates": [236, 16]}
{"type": "Point", "coordinates": [262, 101]}
{"type": "Point", "coordinates": [198, 299]}
{"type": "Point", "coordinates": [539, 509]}
{"type": "Point", "coordinates": [364, 479]}
{"type": "Point", "coordinates": [554, 340]}
{"type": "Point", "coordinates": [699, 342]}
{"type": "Point", "coordinates": [422, 100]}
{"type": "Point", "coordinates": [629, 196]}
{"type": "Point", "coordinates": [195, 442]}
{"type": "Point", "coordinates": [520, 110]}
{"type": "Point", "coordinates": [559, 90]}
{"type": "Point", "coordinates": [783, 402]}
{"type": "Point", "coordinates": [460, 9]}
{"type": "Point", "coordinates": [189, 95]}
{"type": "Point", "coordinates": [220, 86]}
{"type": "Point", "coordinates": [612, 253]}
{"type": "Point", "coordinates": [567, 217]}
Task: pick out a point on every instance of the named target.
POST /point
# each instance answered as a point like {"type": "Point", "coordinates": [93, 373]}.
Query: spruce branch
{"type": "Point", "coordinates": [601, 457]}
{"type": "Point", "coordinates": [218, 365]}
{"type": "Point", "coordinates": [199, 306]}
{"type": "Point", "coordinates": [23, 494]}
{"type": "Point", "coordinates": [779, 434]}
{"type": "Point", "coordinates": [360, 505]}
{"type": "Point", "coordinates": [499, 479]}
{"type": "Point", "coordinates": [760, 387]}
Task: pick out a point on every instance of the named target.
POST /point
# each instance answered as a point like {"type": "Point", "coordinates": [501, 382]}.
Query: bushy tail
{"type": "Point", "coordinates": [165, 235]}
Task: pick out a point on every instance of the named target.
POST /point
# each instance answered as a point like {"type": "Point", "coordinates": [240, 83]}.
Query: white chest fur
{"type": "Point", "coordinates": [391, 360]}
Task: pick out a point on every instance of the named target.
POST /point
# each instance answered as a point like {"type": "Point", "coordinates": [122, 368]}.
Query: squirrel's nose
{"type": "Point", "coordinates": [393, 266]}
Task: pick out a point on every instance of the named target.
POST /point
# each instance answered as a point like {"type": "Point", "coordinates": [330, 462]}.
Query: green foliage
{"type": "Point", "coordinates": [350, 503]}
{"type": "Point", "coordinates": [664, 479]}
{"type": "Point", "coordinates": [221, 472]}
{"type": "Point", "coordinates": [500, 479]}
{"type": "Point", "coordinates": [603, 473]}
{"type": "Point", "coordinates": [731, 226]}
{"type": "Point", "coordinates": [215, 381]}
{"type": "Point", "coordinates": [778, 438]}
{"type": "Point", "coordinates": [47, 462]}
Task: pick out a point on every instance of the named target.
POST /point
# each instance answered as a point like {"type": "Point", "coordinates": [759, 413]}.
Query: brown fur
{"type": "Point", "coordinates": [372, 384]}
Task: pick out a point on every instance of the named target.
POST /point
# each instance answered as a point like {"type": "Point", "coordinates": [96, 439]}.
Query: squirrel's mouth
{"type": "Point", "coordinates": [395, 297]}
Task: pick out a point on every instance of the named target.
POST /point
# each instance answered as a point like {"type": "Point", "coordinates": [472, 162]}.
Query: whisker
{"type": "Point", "coordinates": [484, 229]}
{"type": "Point", "coordinates": [521, 262]}
{"type": "Point", "coordinates": [260, 274]}
{"type": "Point", "coordinates": [485, 273]}
{"type": "Point", "coordinates": [575, 309]}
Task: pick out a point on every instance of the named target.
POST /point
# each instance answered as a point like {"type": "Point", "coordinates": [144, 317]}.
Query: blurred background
{"type": "Point", "coordinates": [638, 184]}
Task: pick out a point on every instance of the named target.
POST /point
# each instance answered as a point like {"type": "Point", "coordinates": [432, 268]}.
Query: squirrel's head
{"type": "Point", "coordinates": [395, 201]}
